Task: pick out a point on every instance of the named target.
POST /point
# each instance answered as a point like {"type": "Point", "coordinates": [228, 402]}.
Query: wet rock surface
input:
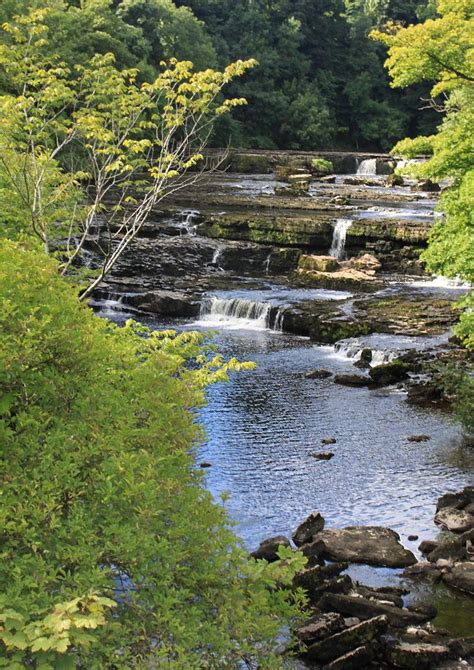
{"type": "Point", "coordinates": [372, 545]}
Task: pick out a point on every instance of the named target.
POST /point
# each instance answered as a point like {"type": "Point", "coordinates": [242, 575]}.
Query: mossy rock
{"type": "Point", "coordinates": [318, 263]}
{"type": "Point", "coordinates": [390, 373]}
{"type": "Point", "coordinates": [321, 166]}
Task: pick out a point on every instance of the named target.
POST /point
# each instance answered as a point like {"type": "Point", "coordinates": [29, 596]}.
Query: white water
{"type": "Point", "coordinates": [367, 167]}
{"type": "Point", "coordinates": [234, 313]}
{"type": "Point", "coordinates": [338, 244]}
{"type": "Point", "coordinates": [188, 221]}
{"type": "Point", "coordinates": [442, 282]}
{"type": "Point", "coordinates": [353, 351]}
{"type": "Point", "coordinates": [267, 263]}
{"type": "Point", "coordinates": [215, 258]}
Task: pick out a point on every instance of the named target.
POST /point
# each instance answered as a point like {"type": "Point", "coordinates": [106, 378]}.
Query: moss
{"type": "Point", "coordinates": [322, 166]}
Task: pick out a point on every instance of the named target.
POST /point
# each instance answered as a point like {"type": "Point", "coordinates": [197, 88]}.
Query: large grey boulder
{"type": "Point", "coordinates": [372, 545]}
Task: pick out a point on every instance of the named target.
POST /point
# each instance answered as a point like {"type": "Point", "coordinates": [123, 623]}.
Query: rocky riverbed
{"type": "Point", "coordinates": [322, 285]}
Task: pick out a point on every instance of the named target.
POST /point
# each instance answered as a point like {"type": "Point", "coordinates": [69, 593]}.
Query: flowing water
{"type": "Point", "coordinates": [263, 426]}
{"type": "Point", "coordinates": [338, 244]}
{"type": "Point", "coordinates": [367, 167]}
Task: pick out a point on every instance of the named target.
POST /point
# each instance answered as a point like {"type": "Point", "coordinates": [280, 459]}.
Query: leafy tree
{"type": "Point", "coordinates": [138, 142]}
{"type": "Point", "coordinates": [441, 50]}
{"type": "Point", "coordinates": [114, 555]}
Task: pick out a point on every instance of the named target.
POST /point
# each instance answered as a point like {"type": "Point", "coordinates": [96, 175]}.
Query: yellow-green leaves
{"type": "Point", "coordinates": [73, 138]}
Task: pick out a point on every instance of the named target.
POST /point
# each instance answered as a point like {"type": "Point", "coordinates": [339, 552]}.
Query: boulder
{"type": "Point", "coordinates": [427, 546]}
{"type": "Point", "coordinates": [450, 551]}
{"type": "Point", "coordinates": [328, 179]}
{"type": "Point", "coordinates": [394, 180]}
{"type": "Point", "coordinates": [318, 263]}
{"type": "Point", "coordinates": [459, 500]}
{"type": "Point", "coordinates": [390, 373]}
{"type": "Point", "coordinates": [365, 263]}
{"type": "Point", "coordinates": [372, 545]}
{"type": "Point", "coordinates": [455, 520]}
{"type": "Point", "coordinates": [427, 186]}
{"type": "Point", "coordinates": [312, 578]}
{"type": "Point", "coordinates": [165, 303]}
{"type": "Point", "coordinates": [320, 626]}
{"type": "Point", "coordinates": [313, 549]}
{"type": "Point", "coordinates": [417, 656]}
{"type": "Point", "coordinates": [268, 548]}
{"type": "Point", "coordinates": [322, 455]}
{"type": "Point", "coordinates": [347, 640]}
{"type": "Point", "coordinates": [424, 571]}
{"type": "Point", "coordinates": [461, 577]}
{"type": "Point", "coordinates": [363, 608]}
{"type": "Point", "coordinates": [357, 659]}
{"type": "Point", "coordinates": [305, 532]}
{"type": "Point", "coordinates": [318, 374]}
{"type": "Point", "coordinates": [352, 380]}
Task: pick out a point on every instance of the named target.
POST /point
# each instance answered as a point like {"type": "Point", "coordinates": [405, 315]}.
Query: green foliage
{"type": "Point", "coordinates": [133, 139]}
{"type": "Point", "coordinates": [441, 50]}
{"type": "Point", "coordinates": [102, 506]}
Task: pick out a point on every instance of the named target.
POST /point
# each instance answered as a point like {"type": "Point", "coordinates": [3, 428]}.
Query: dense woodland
{"type": "Point", "coordinates": [320, 82]}
{"type": "Point", "coordinates": [113, 554]}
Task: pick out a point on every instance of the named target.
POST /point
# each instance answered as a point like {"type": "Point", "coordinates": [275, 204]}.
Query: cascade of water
{"type": "Point", "coordinates": [235, 313]}
{"type": "Point", "coordinates": [278, 325]}
{"type": "Point", "coordinates": [215, 258]}
{"type": "Point", "coordinates": [353, 351]}
{"type": "Point", "coordinates": [188, 220]}
{"type": "Point", "coordinates": [367, 167]}
{"type": "Point", "coordinates": [337, 249]}
{"type": "Point", "coordinates": [267, 263]}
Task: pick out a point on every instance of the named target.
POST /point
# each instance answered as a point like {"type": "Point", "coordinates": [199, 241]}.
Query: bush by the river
{"type": "Point", "coordinates": [113, 553]}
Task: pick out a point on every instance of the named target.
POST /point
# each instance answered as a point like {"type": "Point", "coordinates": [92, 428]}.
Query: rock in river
{"type": "Point", "coordinates": [352, 380]}
{"type": "Point", "coordinates": [461, 577]}
{"type": "Point", "coordinates": [305, 532]}
{"type": "Point", "coordinates": [268, 548]}
{"type": "Point", "coordinates": [372, 545]}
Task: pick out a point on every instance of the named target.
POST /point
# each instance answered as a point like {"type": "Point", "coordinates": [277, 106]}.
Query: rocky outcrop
{"type": "Point", "coordinates": [373, 545]}
{"type": "Point", "coordinates": [407, 315]}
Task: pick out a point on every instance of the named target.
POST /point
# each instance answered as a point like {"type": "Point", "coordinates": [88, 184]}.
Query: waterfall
{"type": "Point", "coordinates": [188, 220]}
{"type": "Point", "coordinates": [367, 167]}
{"type": "Point", "coordinates": [267, 263]}
{"type": "Point", "coordinates": [353, 350]}
{"type": "Point", "coordinates": [235, 313]}
{"type": "Point", "coordinates": [337, 249]}
{"type": "Point", "coordinates": [215, 257]}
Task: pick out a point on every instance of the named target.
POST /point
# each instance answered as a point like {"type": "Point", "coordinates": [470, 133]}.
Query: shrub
{"type": "Point", "coordinates": [114, 555]}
